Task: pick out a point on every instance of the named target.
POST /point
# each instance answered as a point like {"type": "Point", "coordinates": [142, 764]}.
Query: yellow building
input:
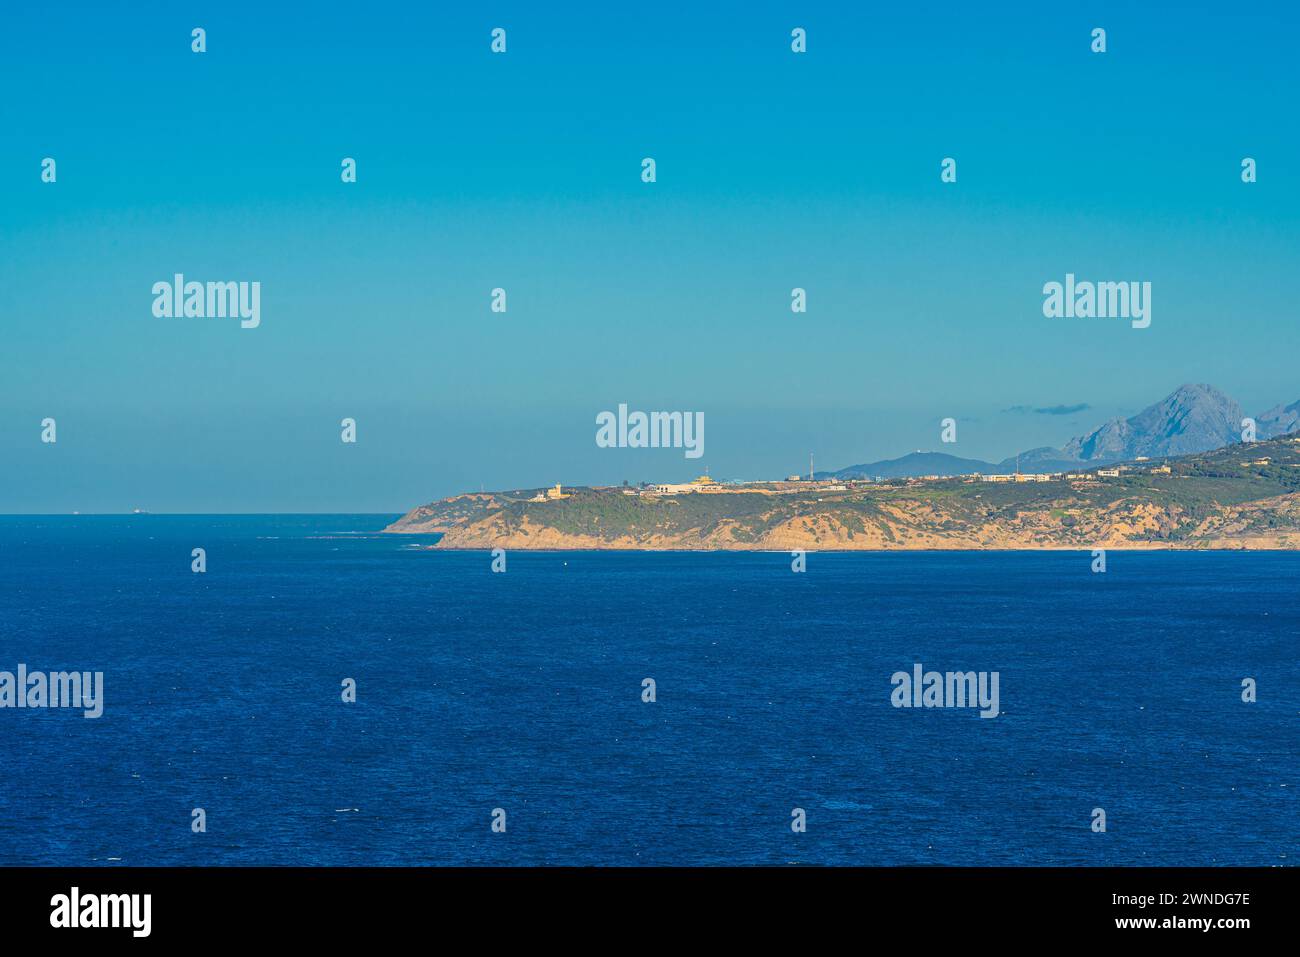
{"type": "Point", "coordinates": [549, 495]}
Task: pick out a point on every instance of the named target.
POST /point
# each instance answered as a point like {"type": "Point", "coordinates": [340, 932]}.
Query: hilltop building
{"type": "Point", "coordinates": [1023, 477]}
{"type": "Point", "coordinates": [549, 495]}
{"type": "Point", "coordinates": [701, 484]}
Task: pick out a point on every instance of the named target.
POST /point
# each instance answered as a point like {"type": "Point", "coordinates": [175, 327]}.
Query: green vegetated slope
{"type": "Point", "coordinates": [1220, 497]}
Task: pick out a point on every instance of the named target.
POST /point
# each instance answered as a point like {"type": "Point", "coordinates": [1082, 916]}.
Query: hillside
{"type": "Point", "coordinates": [913, 464]}
{"type": "Point", "coordinates": [1279, 420]}
{"type": "Point", "coordinates": [1193, 418]}
{"type": "Point", "coordinates": [1237, 497]}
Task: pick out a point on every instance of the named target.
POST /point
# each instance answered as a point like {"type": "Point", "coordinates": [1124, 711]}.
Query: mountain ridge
{"type": "Point", "coordinates": [1194, 418]}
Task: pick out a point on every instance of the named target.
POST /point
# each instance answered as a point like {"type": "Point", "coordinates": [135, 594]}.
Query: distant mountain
{"type": "Point", "coordinates": [912, 464]}
{"type": "Point", "coordinates": [1279, 420]}
{"type": "Point", "coordinates": [1191, 419]}
{"type": "Point", "coordinates": [1044, 459]}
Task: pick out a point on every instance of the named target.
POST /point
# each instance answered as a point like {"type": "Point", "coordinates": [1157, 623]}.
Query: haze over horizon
{"type": "Point", "coordinates": [819, 171]}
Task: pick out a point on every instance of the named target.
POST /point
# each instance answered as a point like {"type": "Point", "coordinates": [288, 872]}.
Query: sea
{"type": "Point", "coordinates": [500, 717]}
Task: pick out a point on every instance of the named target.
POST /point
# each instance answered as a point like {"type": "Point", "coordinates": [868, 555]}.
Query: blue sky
{"type": "Point", "coordinates": [775, 170]}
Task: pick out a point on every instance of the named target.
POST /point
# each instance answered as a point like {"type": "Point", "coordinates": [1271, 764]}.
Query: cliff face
{"type": "Point", "coordinates": [1242, 497]}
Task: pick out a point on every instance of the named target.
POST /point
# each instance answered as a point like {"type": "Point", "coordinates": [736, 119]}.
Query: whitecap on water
{"type": "Point", "coordinates": [845, 806]}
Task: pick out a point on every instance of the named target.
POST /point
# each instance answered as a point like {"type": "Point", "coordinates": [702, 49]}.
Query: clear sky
{"type": "Point", "coordinates": [522, 171]}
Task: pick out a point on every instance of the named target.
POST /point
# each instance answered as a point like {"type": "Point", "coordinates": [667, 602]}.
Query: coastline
{"type": "Point", "coordinates": [1238, 498]}
{"type": "Point", "coordinates": [1218, 545]}
{"type": "Point", "coordinates": [1125, 547]}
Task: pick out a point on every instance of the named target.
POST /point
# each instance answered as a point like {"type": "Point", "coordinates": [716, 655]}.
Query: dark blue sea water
{"type": "Point", "coordinates": [523, 691]}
